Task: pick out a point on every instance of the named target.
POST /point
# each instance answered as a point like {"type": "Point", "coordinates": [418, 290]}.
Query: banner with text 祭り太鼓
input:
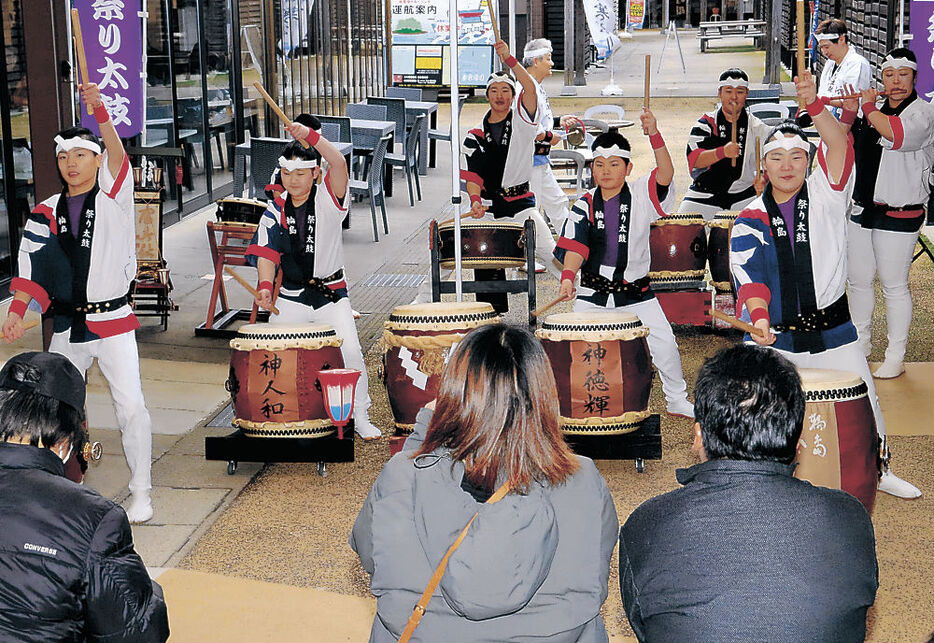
{"type": "Point", "coordinates": [922, 31]}
{"type": "Point", "coordinates": [603, 24]}
{"type": "Point", "coordinates": [113, 43]}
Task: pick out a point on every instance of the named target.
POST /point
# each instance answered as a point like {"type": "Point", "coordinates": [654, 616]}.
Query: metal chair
{"type": "Point", "coordinates": [409, 157]}
{"type": "Point", "coordinates": [594, 127]}
{"type": "Point", "coordinates": [407, 93]}
{"type": "Point", "coordinates": [395, 112]}
{"type": "Point", "coordinates": [565, 160]}
{"type": "Point", "coordinates": [616, 111]}
{"type": "Point", "coordinates": [264, 159]}
{"type": "Point", "coordinates": [372, 185]}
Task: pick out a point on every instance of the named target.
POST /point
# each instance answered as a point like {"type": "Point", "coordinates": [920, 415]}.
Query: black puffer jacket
{"type": "Point", "coordinates": [68, 570]}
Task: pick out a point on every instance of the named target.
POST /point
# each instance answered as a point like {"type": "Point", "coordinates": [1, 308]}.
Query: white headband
{"type": "Point", "coordinates": [608, 152]}
{"type": "Point", "coordinates": [786, 143]}
{"type": "Point", "coordinates": [296, 164]}
{"type": "Point", "coordinates": [821, 37]}
{"type": "Point", "coordinates": [733, 82]}
{"type": "Point", "coordinates": [62, 145]}
{"type": "Point", "coordinates": [899, 63]}
{"type": "Point", "coordinates": [537, 53]}
{"type": "Point", "coordinates": [497, 78]}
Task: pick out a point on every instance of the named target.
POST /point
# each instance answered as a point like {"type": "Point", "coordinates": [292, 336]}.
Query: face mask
{"type": "Point", "coordinates": [65, 457]}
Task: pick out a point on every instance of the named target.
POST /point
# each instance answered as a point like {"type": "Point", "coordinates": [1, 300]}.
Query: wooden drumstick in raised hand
{"type": "Point", "coordinates": [648, 81]}
{"type": "Point", "coordinates": [538, 312]}
{"type": "Point", "coordinates": [250, 289]}
{"type": "Point", "coordinates": [489, 5]}
{"type": "Point", "coordinates": [79, 47]}
{"type": "Point", "coordinates": [275, 108]}
{"type": "Point", "coordinates": [799, 16]}
{"type": "Point", "coordinates": [758, 158]}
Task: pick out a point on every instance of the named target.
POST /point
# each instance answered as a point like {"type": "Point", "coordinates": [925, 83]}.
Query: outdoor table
{"type": "Point", "coordinates": [412, 109]}
{"type": "Point", "coordinates": [242, 153]}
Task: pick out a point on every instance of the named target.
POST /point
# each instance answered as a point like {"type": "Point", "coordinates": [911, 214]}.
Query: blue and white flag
{"type": "Point", "coordinates": [603, 23]}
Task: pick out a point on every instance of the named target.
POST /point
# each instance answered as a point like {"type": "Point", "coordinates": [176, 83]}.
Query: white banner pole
{"type": "Point", "coordinates": [456, 154]}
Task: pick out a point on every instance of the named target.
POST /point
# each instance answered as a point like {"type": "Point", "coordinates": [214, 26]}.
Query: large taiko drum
{"type": "Point", "coordinates": [236, 210]}
{"type": "Point", "coordinates": [602, 368]}
{"type": "Point", "coordinates": [484, 244]}
{"type": "Point", "coordinates": [273, 379]}
{"type": "Point", "coordinates": [718, 250]}
{"type": "Point", "coordinates": [418, 340]}
{"type": "Point", "coordinates": [839, 446]}
{"type": "Point", "coordinates": [678, 245]}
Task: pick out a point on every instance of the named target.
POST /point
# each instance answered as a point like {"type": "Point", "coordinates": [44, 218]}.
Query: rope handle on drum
{"type": "Point", "coordinates": [422, 342]}
{"type": "Point", "coordinates": [422, 605]}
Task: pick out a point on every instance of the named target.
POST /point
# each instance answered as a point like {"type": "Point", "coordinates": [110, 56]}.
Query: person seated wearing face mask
{"type": "Point", "coordinates": [68, 570]}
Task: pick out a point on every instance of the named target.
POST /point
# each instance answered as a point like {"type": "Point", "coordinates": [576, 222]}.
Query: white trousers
{"type": "Point", "coordinates": [662, 343]}
{"type": "Point", "coordinates": [888, 255]}
{"type": "Point", "coordinates": [848, 357]}
{"type": "Point", "coordinates": [118, 359]}
{"type": "Point", "coordinates": [549, 196]}
{"type": "Point", "coordinates": [340, 316]}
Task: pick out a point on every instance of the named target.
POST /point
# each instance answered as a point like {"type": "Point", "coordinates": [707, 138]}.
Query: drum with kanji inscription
{"type": "Point", "coordinates": [484, 244]}
{"type": "Point", "coordinates": [273, 379]}
{"type": "Point", "coordinates": [418, 340]}
{"type": "Point", "coordinates": [602, 368]}
{"type": "Point", "coordinates": [839, 446]}
{"type": "Point", "coordinates": [678, 245]}
{"type": "Point", "coordinates": [718, 250]}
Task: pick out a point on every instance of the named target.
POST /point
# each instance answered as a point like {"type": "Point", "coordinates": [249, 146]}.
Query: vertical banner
{"type": "Point", "coordinates": [295, 24]}
{"type": "Point", "coordinates": [603, 24]}
{"type": "Point", "coordinates": [113, 42]}
{"type": "Point", "coordinates": [636, 14]}
{"type": "Point", "coordinates": [922, 32]}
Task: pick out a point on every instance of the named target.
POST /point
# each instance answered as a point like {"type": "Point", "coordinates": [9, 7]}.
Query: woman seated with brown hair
{"type": "Point", "coordinates": [531, 566]}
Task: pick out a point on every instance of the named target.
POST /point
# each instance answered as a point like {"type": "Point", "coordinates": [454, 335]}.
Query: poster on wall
{"type": "Point", "coordinates": [922, 32]}
{"type": "Point", "coordinates": [420, 37]}
{"type": "Point", "coordinates": [636, 14]}
{"type": "Point", "coordinates": [112, 32]}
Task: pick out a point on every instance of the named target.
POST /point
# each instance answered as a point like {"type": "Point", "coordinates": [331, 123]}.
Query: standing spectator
{"type": "Point", "coordinates": [68, 570]}
{"type": "Point", "coordinates": [744, 551]}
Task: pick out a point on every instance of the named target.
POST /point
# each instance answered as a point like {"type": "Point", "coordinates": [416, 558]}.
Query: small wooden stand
{"type": "Point", "coordinates": [645, 443]}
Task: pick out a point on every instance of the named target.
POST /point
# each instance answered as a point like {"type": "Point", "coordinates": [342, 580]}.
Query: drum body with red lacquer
{"type": "Point", "coordinates": [418, 340]}
{"type": "Point", "coordinates": [678, 246]}
{"type": "Point", "coordinates": [484, 244]}
{"type": "Point", "coordinates": [602, 368]}
{"type": "Point", "coordinates": [718, 250]}
{"type": "Point", "coordinates": [839, 446]}
{"type": "Point", "coordinates": [274, 379]}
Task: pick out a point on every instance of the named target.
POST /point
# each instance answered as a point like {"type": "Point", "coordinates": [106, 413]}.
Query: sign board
{"type": "Point", "coordinates": [420, 39]}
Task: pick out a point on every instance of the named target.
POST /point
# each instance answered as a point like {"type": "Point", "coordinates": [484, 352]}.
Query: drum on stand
{"type": "Point", "coordinates": [718, 250]}
{"type": "Point", "coordinates": [602, 368]}
{"type": "Point", "coordinates": [839, 445]}
{"type": "Point", "coordinates": [484, 244]}
{"type": "Point", "coordinates": [418, 340]}
{"type": "Point", "coordinates": [678, 245]}
{"type": "Point", "coordinates": [235, 210]}
{"type": "Point", "coordinates": [273, 379]}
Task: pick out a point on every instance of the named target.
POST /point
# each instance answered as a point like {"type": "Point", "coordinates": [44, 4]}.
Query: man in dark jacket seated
{"type": "Point", "coordinates": [744, 551]}
{"type": "Point", "coordinates": [68, 571]}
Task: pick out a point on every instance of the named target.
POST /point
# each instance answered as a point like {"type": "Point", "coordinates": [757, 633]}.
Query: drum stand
{"type": "Point", "coordinates": [645, 443]}
{"type": "Point", "coordinates": [526, 285]}
{"type": "Point", "coordinates": [237, 447]}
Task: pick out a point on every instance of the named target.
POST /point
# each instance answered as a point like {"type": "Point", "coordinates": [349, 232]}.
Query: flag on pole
{"type": "Point", "coordinates": [603, 23]}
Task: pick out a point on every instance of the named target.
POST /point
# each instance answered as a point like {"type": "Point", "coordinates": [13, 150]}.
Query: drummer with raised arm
{"type": "Point", "coordinates": [606, 238]}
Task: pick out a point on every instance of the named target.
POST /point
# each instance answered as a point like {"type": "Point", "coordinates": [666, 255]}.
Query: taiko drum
{"type": "Point", "coordinates": [602, 369]}
{"type": "Point", "coordinates": [678, 245]}
{"type": "Point", "coordinates": [718, 250]}
{"type": "Point", "coordinates": [484, 244]}
{"type": "Point", "coordinates": [273, 379]}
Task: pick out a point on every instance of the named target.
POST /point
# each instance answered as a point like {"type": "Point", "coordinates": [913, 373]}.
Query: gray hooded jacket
{"type": "Point", "coordinates": [532, 567]}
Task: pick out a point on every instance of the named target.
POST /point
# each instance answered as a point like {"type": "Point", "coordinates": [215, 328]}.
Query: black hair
{"type": "Point", "coordinates": [787, 126]}
{"type": "Point", "coordinates": [832, 26]}
{"type": "Point", "coordinates": [749, 404]}
{"type": "Point", "coordinates": [609, 139]}
{"type": "Point", "coordinates": [295, 151]}
{"type": "Point", "coordinates": [734, 73]}
{"type": "Point", "coordinates": [25, 414]}
{"type": "Point", "coordinates": [309, 120]}
{"type": "Point", "coordinates": [902, 52]}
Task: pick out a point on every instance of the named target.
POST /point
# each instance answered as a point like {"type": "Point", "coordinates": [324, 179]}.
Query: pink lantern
{"type": "Point", "coordinates": [337, 387]}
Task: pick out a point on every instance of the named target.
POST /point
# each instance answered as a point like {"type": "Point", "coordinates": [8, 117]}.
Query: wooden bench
{"type": "Point", "coordinates": [717, 29]}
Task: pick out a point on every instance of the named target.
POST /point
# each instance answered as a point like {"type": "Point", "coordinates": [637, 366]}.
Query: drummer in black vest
{"type": "Point", "coordinates": [606, 238]}
{"type": "Point", "coordinates": [499, 162]}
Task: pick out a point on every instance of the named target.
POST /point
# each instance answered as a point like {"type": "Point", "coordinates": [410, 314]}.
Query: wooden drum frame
{"type": "Point", "coordinates": [484, 244]}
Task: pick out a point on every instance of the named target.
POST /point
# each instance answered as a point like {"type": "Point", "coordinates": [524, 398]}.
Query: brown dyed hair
{"type": "Point", "coordinates": [497, 411]}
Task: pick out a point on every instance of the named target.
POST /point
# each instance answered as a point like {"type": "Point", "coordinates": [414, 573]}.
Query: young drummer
{"type": "Point", "coordinates": [606, 238]}
{"type": "Point", "coordinates": [300, 232]}
{"type": "Point", "coordinates": [78, 254]}
{"type": "Point", "coordinates": [787, 255]}
{"type": "Point", "coordinates": [719, 184]}
{"type": "Point", "coordinates": [894, 143]}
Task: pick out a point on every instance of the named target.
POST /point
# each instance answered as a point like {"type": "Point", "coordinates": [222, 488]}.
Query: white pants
{"type": "Point", "coordinates": [549, 196]}
{"type": "Point", "coordinates": [118, 359]}
{"type": "Point", "coordinates": [848, 357]}
{"type": "Point", "coordinates": [340, 316]}
{"type": "Point", "coordinates": [888, 255]}
{"type": "Point", "coordinates": [662, 343]}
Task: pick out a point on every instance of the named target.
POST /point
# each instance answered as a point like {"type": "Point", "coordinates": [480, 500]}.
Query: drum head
{"type": "Point", "coordinates": [442, 315]}
{"type": "Point", "coordinates": [723, 219]}
{"type": "Point", "coordinates": [595, 326]}
{"type": "Point", "coordinates": [824, 384]}
{"type": "Point", "coordinates": [482, 225]}
{"type": "Point", "coordinates": [681, 218]}
{"type": "Point", "coordinates": [274, 337]}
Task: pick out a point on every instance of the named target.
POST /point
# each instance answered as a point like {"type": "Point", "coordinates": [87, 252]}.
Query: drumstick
{"type": "Point", "coordinates": [647, 80]}
{"type": "Point", "coordinates": [736, 323]}
{"type": "Point", "coordinates": [758, 158]}
{"type": "Point", "coordinates": [538, 312]}
{"type": "Point", "coordinates": [733, 141]}
{"type": "Point", "coordinates": [82, 58]}
{"type": "Point", "coordinates": [799, 15]}
{"type": "Point", "coordinates": [32, 323]}
{"type": "Point", "coordinates": [853, 95]}
{"type": "Point", "coordinates": [243, 282]}
{"type": "Point", "coordinates": [451, 220]}
{"type": "Point", "coordinates": [278, 110]}
{"type": "Point", "coordinates": [489, 5]}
